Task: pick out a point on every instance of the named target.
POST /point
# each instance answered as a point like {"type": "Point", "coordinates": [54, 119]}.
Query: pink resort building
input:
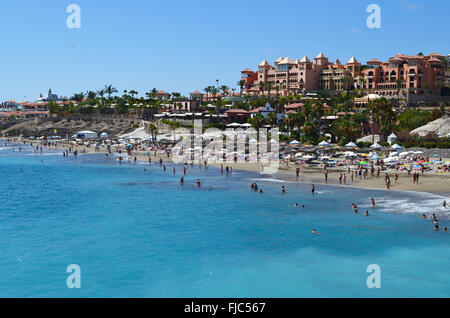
{"type": "Point", "coordinates": [288, 77]}
{"type": "Point", "coordinates": [411, 77]}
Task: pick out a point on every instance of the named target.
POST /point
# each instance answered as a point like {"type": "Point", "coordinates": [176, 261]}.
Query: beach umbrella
{"type": "Point", "coordinates": [397, 147]}
{"type": "Point", "coordinates": [294, 142]}
{"type": "Point", "coordinates": [351, 144]}
{"type": "Point", "coordinates": [363, 163]}
{"type": "Point", "coordinates": [376, 146]}
{"type": "Point", "coordinates": [324, 143]}
{"type": "Point", "coordinates": [436, 155]}
{"type": "Point", "coordinates": [418, 152]}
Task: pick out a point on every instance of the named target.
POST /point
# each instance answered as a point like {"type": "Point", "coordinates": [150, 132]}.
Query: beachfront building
{"type": "Point", "coordinates": [197, 95]}
{"type": "Point", "coordinates": [287, 77]}
{"type": "Point", "coordinates": [264, 111]}
{"type": "Point", "coordinates": [240, 116]}
{"type": "Point", "coordinates": [162, 95]}
{"type": "Point", "coordinates": [249, 77]}
{"type": "Point", "coordinates": [184, 105]}
{"type": "Point", "coordinates": [404, 76]}
{"type": "Point", "coordinates": [50, 97]}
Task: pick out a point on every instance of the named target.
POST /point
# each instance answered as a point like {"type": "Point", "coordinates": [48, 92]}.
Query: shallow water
{"type": "Point", "coordinates": [137, 233]}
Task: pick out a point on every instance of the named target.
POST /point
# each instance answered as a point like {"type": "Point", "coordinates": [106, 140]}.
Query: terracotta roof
{"type": "Point", "coordinates": [372, 61]}
{"type": "Point", "coordinates": [247, 70]}
{"type": "Point", "coordinates": [291, 112]}
{"type": "Point", "coordinates": [236, 111]}
{"type": "Point", "coordinates": [293, 106]}
{"type": "Point", "coordinates": [256, 110]}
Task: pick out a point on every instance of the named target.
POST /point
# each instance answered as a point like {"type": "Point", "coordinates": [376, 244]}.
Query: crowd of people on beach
{"type": "Point", "coordinates": [360, 172]}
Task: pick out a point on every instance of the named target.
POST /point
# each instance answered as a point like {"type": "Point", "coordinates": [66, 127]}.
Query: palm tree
{"type": "Point", "coordinates": [78, 97]}
{"type": "Point", "coordinates": [109, 89]}
{"type": "Point", "coordinates": [373, 108]}
{"type": "Point", "coordinates": [399, 84]}
{"type": "Point", "coordinates": [133, 92]}
{"type": "Point", "coordinates": [91, 95]}
{"type": "Point", "coordinates": [257, 121]}
{"type": "Point", "coordinates": [153, 130]}
{"type": "Point", "coordinates": [261, 87]}
{"type": "Point", "coordinates": [101, 93]}
{"type": "Point", "coordinates": [207, 90]}
{"type": "Point", "coordinates": [241, 85]}
{"type": "Point", "coordinates": [269, 88]}
{"type": "Point", "coordinates": [224, 89]}
{"type": "Point", "coordinates": [347, 83]}
{"type": "Point", "coordinates": [272, 119]}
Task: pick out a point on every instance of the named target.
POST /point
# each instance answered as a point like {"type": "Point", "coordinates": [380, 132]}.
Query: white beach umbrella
{"type": "Point", "coordinates": [376, 146]}
{"type": "Point", "coordinates": [294, 142]}
{"type": "Point", "coordinates": [324, 143]}
{"type": "Point", "coordinates": [351, 144]}
{"type": "Point", "coordinates": [397, 147]}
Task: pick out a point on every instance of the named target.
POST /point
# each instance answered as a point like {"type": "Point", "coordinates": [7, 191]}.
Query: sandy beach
{"type": "Point", "coordinates": [431, 182]}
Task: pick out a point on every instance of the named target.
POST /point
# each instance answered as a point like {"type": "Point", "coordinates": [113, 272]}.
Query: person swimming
{"type": "Point", "coordinates": [296, 205]}
{"type": "Point", "coordinates": [424, 216]}
{"type": "Point", "coordinates": [182, 180]}
{"type": "Point", "coordinates": [283, 190]}
{"type": "Point", "coordinates": [315, 232]}
{"type": "Point", "coordinates": [261, 191]}
{"type": "Point", "coordinates": [444, 204]}
{"type": "Point", "coordinates": [198, 182]}
{"type": "Point", "coordinates": [366, 213]}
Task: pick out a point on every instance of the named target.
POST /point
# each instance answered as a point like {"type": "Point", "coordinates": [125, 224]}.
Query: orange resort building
{"type": "Point", "coordinates": [404, 76]}
{"type": "Point", "coordinates": [288, 77]}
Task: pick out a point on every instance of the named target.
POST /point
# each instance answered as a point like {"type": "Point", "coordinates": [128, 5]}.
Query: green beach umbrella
{"type": "Point", "coordinates": [363, 163]}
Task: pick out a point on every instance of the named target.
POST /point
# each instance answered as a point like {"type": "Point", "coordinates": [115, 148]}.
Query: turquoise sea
{"type": "Point", "coordinates": [137, 233]}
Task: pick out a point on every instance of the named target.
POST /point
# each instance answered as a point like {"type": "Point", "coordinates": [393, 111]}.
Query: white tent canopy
{"type": "Point", "coordinates": [376, 146]}
{"type": "Point", "coordinates": [86, 134]}
{"type": "Point", "coordinates": [351, 144]}
{"type": "Point", "coordinates": [397, 147]}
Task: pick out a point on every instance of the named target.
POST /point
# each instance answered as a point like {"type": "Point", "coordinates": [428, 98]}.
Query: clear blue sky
{"type": "Point", "coordinates": [186, 45]}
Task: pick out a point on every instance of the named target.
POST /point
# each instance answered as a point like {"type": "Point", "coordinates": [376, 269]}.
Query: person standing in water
{"type": "Point", "coordinates": [313, 189]}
